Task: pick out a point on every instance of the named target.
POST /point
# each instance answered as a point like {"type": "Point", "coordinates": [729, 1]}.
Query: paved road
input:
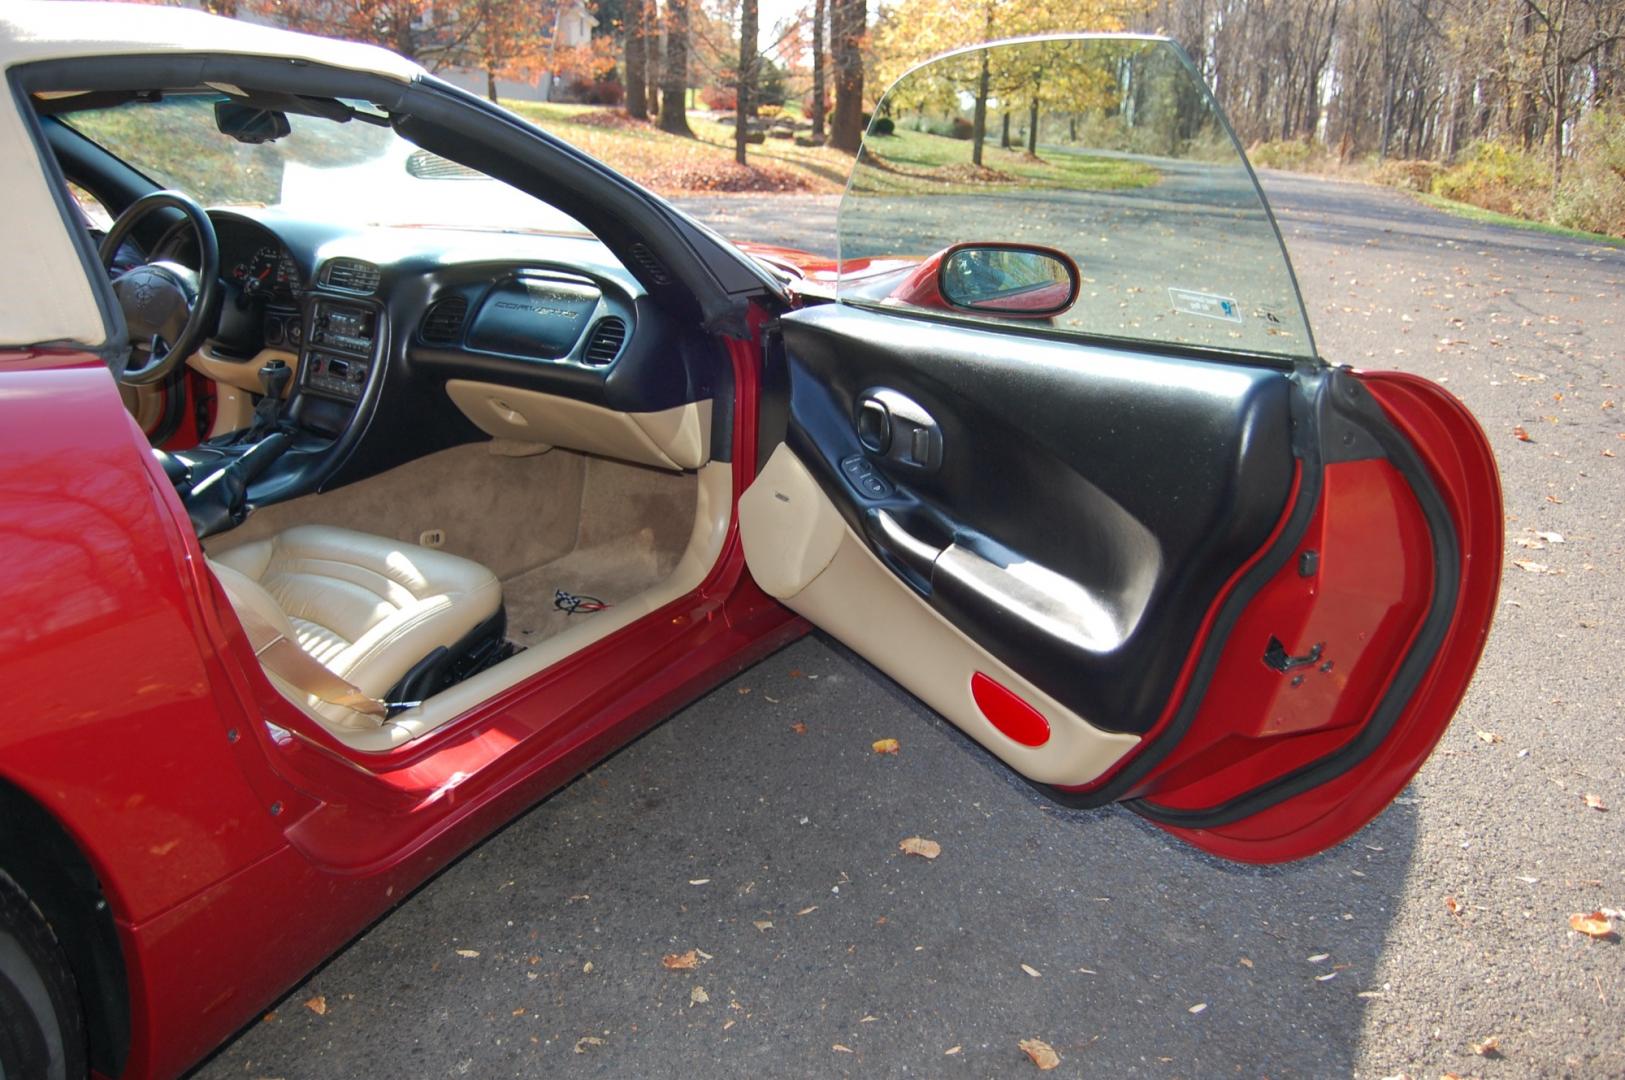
{"type": "Point", "coordinates": [725, 820]}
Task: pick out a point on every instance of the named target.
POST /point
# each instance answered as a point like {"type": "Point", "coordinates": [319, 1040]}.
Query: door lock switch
{"type": "Point", "coordinates": [863, 476]}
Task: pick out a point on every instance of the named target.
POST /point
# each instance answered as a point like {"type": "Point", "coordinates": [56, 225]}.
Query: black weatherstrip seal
{"type": "Point", "coordinates": [1354, 401]}
{"type": "Point", "coordinates": [1320, 436]}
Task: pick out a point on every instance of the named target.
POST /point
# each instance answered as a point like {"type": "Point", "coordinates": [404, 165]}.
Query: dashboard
{"type": "Point", "coordinates": [378, 320]}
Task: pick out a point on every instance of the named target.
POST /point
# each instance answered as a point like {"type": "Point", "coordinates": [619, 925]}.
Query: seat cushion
{"type": "Point", "coordinates": [367, 607]}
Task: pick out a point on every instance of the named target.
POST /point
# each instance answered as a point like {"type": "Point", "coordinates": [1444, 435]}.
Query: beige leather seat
{"type": "Point", "coordinates": [368, 608]}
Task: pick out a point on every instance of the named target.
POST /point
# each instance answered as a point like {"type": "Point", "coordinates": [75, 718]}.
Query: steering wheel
{"type": "Point", "coordinates": [168, 307]}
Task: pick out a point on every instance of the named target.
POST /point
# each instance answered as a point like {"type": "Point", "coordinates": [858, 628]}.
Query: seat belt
{"type": "Point", "coordinates": [293, 665]}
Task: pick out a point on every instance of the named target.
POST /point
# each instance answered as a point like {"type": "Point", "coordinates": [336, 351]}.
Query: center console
{"type": "Point", "coordinates": [339, 348]}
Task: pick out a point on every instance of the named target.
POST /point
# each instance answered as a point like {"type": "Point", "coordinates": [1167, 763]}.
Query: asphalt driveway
{"type": "Point", "coordinates": [759, 829]}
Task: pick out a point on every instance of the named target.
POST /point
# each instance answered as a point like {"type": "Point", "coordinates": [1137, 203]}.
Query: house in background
{"type": "Point", "coordinates": [573, 27]}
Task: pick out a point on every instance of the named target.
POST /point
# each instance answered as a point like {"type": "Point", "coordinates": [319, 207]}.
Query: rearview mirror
{"type": "Point", "coordinates": [1013, 280]}
{"type": "Point", "coordinates": [248, 124]}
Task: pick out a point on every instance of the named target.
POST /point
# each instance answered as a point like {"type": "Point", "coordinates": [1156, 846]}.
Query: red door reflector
{"type": "Point", "coordinates": [1009, 713]}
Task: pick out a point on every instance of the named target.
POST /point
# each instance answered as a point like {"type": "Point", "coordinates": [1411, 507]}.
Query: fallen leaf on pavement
{"type": "Point", "coordinates": [318, 1004]}
{"type": "Point", "coordinates": [686, 961]}
{"type": "Point", "coordinates": [1029, 969]}
{"type": "Point", "coordinates": [1595, 802]}
{"type": "Point", "coordinates": [1318, 957]}
{"type": "Point", "coordinates": [1042, 1053]}
{"type": "Point", "coordinates": [587, 1041]}
{"type": "Point", "coordinates": [1594, 925]}
{"type": "Point", "coordinates": [1490, 1047]}
{"type": "Point", "coordinates": [468, 953]}
{"type": "Point", "coordinates": [952, 1050]}
{"type": "Point", "coordinates": [586, 969]}
{"type": "Point", "coordinates": [1326, 977]}
{"type": "Point", "coordinates": [1452, 905]}
{"type": "Point", "coordinates": [764, 924]}
{"type": "Point", "coordinates": [1488, 736]}
{"type": "Point", "coordinates": [1532, 567]}
{"type": "Point", "coordinates": [799, 728]}
{"type": "Point", "coordinates": [887, 746]}
{"type": "Point", "coordinates": [699, 881]}
{"type": "Point", "coordinates": [839, 1049]}
{"type": "Point", "coordinates": [518, 1012]}
{"type": "Point", "coordinates": [1246, 963]}
{"type": "Point", "coordinates": [916, 845]}
{"type": "Point", "coordinates": [1521, 435]}
{"type": "Point", "coordinates": [808, 910]}
{"type": "Point", "coordinates": [1200, 1006]}
{"type": "Point", "coordinates": [1550, 537]}
{"type": "Point", "coordinates": [698, 996]}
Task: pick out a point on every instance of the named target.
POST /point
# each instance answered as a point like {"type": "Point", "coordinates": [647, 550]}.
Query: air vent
{"type": "Point", "coordinates": [351, 275]}
{"type": "Point", "coordinates": [606, 341]}
{"type": "Point", "coordinates": [443, 324]}
{"type": "Point", "coordinates": [650, 265]}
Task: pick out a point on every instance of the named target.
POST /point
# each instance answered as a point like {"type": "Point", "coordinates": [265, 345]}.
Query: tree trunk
{"type": "Point", "coordinates": [979, 117]}
{"type": "Point", "coordinates": [490, 86]}
{"type": "Point", "coordinates": [819, 102]}
{"type": "Point", "coordinates": [847, 23]}
{"type": "Point", "coordinates": [1004, 130]}
{"type": "Point", "coordinates": [1032, 126]}
{"type": "Point", "coordinates": [653, 49]}
{"type": "Point", "coordinates": [674, 79]}
{"type": "Point", "coordinates": [745, 88]}
{"type": "Point", "coordinates": [637, 91]}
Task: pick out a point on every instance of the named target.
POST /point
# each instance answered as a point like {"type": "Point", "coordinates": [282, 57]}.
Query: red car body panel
{"type": "Point", "coordinates": [1397, 562]}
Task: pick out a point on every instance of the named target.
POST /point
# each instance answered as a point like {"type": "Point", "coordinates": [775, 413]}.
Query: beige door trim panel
{"type": "Point", "coordinates": [800, 550]}
{"type": "Point", "coordinates": [675, 438]}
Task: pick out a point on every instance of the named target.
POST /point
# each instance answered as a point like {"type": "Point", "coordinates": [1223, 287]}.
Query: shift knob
{"type": "Point", "coordinates": [274, 376]}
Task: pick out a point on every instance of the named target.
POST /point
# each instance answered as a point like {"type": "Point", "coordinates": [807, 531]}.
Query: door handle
{"type": "Point", "coordinates": [897, 428]}
{"type": "Point", "coordinates": [904, 548]}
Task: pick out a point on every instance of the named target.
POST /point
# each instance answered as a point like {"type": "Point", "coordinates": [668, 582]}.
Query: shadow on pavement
{"type": "Point", "coordinates": [774, 853]}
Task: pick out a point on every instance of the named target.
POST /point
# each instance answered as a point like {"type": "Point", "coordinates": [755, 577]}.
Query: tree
{"type": "Point", "coordinates": [745, 83]}
{"type": "Point", "coordinates": [651, 53]}
{"type": "Point", "coordinates": [848, 23]}
{"type": "Point", "coordinates": [915, 29]}
{"type": "Point", "coordinates": [636, 28]}
{"type": "Point", "coordinates": [674, 80]}
{"type": "Point", "coordinates": [819, 102]}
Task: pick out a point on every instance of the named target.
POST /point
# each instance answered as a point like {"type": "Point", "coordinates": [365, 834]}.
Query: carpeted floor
{"type": "Point", "coordinates": [559, 520]}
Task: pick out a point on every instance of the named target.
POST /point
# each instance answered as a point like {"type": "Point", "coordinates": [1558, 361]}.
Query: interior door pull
{"type": "Point", "coordinates": [897, 428]}
{"type": "Point", "coordinates": [887, 534]}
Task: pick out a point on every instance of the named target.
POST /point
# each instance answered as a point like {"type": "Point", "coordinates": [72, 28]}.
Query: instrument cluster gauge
{"type": "Point", "coordinates": [269, 271]}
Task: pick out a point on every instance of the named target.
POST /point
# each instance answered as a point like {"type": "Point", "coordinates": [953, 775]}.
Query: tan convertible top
{"type": "Point", "coordinates": [44, 294]}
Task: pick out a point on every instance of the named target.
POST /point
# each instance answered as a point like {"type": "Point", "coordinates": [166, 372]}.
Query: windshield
{"type": "Point", "coordinates": [356, 171]}
{"type": "Point", "coordinates": [1108, 152]}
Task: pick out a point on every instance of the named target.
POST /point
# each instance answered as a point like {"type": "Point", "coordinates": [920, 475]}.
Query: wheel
{"type": "Point", "coordinates": [42, 1030]}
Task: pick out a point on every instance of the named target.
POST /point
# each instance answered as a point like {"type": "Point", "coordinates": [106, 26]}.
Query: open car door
{"type": "Point", "coordinates": [1063, 461]}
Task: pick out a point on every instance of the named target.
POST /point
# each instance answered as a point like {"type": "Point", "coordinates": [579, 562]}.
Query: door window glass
{"type": "Point", "coordinates": [1106, 150]}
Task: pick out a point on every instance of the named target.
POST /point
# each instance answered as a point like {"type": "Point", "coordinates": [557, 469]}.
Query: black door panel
{"type": "Point", "coordinates": [1082, 507]}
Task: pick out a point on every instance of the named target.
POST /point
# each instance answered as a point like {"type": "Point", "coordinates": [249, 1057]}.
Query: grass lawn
{"type": "Point", "coordinates": [919, 162]}
{"type": "Point", "coordinates": [1490, 217]}
{"type": "Point", "coordinates": [909, 161]}
{"type": "Point", "coordinates": [673, 165]}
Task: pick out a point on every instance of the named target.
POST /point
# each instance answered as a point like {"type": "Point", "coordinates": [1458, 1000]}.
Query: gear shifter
{"type": "Point", "coordinates": [274, 376]}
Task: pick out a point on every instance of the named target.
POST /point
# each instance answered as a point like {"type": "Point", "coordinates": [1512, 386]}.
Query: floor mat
{"type": "Point", "coordinates": [612, 572]}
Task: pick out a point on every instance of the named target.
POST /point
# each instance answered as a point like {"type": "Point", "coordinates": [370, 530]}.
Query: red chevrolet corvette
{"type": "Point", "coordinates": [374, 463]}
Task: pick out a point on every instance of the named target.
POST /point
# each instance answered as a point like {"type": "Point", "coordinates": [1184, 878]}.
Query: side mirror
{"type": "Point", "coordinates": [1013, 280]}
{"type": "Point", "coordinates": [249, 124]}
